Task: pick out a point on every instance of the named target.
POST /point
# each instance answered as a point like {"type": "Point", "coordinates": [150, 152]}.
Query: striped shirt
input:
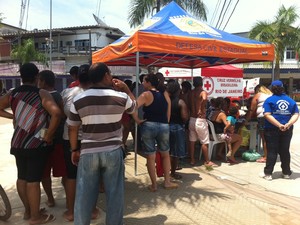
{"type": "Point", "coordinates": [29, 118]}
{"type": "Point", "coordinates": [99, 111]}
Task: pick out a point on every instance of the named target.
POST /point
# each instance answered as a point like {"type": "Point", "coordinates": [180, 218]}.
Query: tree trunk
{"type": "Point", "coordinates": [277, 71]}
{"type": "Point", "coordinates": [157, 6]}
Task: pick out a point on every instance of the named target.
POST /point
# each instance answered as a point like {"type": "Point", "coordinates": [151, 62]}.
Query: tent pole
{"type": "Point", "coordinates": [192, 69]}
{"type": "Point", "coordinates": [137, 71]}
{"type": "Point", "coordinates": [273, 71]}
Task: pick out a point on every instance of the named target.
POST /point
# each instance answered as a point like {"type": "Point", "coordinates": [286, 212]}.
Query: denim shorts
{"type": "Point", "coordinates": [177, 140]}
{"type": "Point", "coordinates": [261, 123]}
{"type": "Point", "coordinates": [155, 133]}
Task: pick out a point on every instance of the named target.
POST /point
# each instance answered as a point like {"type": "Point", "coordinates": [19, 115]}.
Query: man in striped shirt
{"type": "Point", "coordinates": [99, 110]}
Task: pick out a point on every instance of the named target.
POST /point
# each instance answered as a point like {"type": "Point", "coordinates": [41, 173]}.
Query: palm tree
{"type": "Point", "coordinates": [140, 9]}
{"type": "Point", "coordinates": [26, 52]}
{"type": "Point", "coordinates": [280, 32]}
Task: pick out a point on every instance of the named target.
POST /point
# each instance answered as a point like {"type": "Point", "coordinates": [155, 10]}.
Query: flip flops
{"type": "Point", "coordinates": [27, 217]}
{"type": "Point", "coordinates": [261, 160]}
{"type": "Point", "coordinates": [210, 164]}
{"type": "Point", "coordinates": [47, 219]}
{"type": "Point", "coordinates": [176, 176]}
{"type": "Point", "coordinates": [173, 186]}
{"type": "Point", "coordinates": [232, 161]}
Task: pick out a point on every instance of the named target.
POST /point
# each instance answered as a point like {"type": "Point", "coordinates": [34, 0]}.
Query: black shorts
{"type": "Point", "coordinates": [71, 168]}
{"type": "Point", "coordinates": [31, 164]}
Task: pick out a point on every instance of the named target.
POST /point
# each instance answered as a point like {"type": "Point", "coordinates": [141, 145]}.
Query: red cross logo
{"type": "Point", "coordinates": [167, 72]}
{"type": "Point", "coordinates": [207, 85]}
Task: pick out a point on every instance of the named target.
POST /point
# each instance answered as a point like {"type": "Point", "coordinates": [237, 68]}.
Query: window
{"type": "Point", "coordinates": [290, 53]}
{"type": "Point", "coordinates": [82, 45]}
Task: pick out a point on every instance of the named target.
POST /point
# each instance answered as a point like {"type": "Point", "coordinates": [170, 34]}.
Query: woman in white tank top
{"type": "Point", "coordinates": [261, 94]}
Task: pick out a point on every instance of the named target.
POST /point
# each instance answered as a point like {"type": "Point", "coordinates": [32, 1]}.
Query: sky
{"type": "Point", "coordinates": [115, 12]}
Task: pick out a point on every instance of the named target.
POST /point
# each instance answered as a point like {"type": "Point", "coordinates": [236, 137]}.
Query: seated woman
{"type": "Point", "coordinates": [219, 119]}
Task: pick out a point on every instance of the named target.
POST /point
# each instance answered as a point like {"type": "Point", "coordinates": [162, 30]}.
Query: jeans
{"type": "Point", "coordinates": [278, 142]}
{"type": "Point", "coordinates": [155, 133]}
{"type": "Point", "coordinates": [110, 167]}
{"type": "Point", "coordinates": [177, 140]}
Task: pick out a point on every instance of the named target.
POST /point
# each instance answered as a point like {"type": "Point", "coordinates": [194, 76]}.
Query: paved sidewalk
{"type": "Point", "coordinates": [232, 195]}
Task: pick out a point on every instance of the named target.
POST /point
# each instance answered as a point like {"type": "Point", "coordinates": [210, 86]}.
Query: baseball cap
{"type": "Point", "coordinates": [277, 83]}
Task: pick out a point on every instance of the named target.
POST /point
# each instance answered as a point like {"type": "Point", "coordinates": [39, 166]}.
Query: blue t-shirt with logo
{"type": "Point", "coordinates": [281, 107]}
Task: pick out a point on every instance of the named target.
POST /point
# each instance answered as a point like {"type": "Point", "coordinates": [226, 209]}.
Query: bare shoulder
{"type": "Point", "coordinates": [45, 95]}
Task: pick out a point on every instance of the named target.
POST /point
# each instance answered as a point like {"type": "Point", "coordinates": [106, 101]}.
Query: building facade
{"type": "Point", "coordinates": [70, 46]}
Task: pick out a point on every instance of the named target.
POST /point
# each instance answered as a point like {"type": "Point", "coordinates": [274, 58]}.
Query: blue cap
{"type": "Point", "coordinates": [277, 83]}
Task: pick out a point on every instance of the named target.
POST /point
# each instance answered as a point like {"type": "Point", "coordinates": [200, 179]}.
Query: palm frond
{"type": "Point", "coordinates": [140, 9]}
{"type": "Point", "coordinates": [196, 7]}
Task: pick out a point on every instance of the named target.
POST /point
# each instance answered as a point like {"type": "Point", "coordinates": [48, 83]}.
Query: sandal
{"type": "Point", "coordinates": [261, 160]}
{"type": "Point", "coordinates": [27, 217]}
{"type": "Point", "coordinates": [171, 187]}
{"type": "Point", "coordinates": [176, 176]}
{"type": "Point", "coordinates": [232, 161]}
{"type": "Point", "coordinates": [210, 164]}
{"type": "Point", "coordinates": [179, 168]}
{"type": "Point", "coordinates": [44, 219]}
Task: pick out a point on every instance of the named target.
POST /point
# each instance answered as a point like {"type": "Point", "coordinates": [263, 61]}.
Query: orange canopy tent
{"type": "Point", "coordinates": [173, 38]}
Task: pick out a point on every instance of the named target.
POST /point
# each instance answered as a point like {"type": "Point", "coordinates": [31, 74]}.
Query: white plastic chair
{"type": "Point", "coordinates": [213, 140]}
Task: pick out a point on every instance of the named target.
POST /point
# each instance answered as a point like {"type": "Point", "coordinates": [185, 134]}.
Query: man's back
{"type": "Point", "coordinates": [198, 103]}
{"type": "Point", "coordinates": [100, 111]}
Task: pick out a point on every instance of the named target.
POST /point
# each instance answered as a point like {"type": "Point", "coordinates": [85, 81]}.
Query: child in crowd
{"type": "Point", "coordinates": [229, 128]}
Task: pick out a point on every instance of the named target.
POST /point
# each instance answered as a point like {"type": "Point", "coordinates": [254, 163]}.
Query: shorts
{"type": "Point", "coordinates": [261, 123]}
{"type": "Point", "coordinates": [198, 130]}
{"type": "Point", "coordinates": [56, 162]}
{"type": "Point", "coordinates": [177, 141]}
{"type": "Point", "coordinates": [31, 165]}
{"type": "Point", "coordinates": [71, 168]}
{"type": "Point", "coordinates": [224, 137]}
{"type": "Point", "coordinates": [155, 133]}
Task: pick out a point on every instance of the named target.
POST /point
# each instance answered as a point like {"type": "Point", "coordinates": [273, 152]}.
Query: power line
{"type": "Point", "coordinates": [231, 14]}
{"type": "Point", "coordinates": [27, 14]}
{"type": "Point", "coordinates": [221, 13]}
{"type": "Point", "coordinates": [224, 14]}
{"type": "Point", "coordinates": [215, 12]}
{"type": "Point", "coordinates": [98, 7]}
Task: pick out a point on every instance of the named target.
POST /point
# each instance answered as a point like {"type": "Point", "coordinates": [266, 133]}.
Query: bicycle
{"type": "Point", "coordinates": [5, 207]}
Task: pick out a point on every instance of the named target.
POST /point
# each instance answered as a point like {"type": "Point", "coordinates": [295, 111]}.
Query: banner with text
{"type": "Point", "coordinates": [223, 86]}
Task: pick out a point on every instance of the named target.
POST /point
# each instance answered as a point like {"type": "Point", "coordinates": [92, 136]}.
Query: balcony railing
{"type": "Point", "coordinates": [68, 51]}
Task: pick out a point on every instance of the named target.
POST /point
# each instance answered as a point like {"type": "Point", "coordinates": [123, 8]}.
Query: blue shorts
{"type": "Point", "coordinates": [177, 140]}
{"type": "Point", "coordinates": [261, 123]}
{"type": "Point", "coordinates": [153, 133]}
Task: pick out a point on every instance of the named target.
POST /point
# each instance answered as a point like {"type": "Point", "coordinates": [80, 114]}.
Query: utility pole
{"type": "Point", "coordinates": [90, 47]}
{"type": "Point", "coordinates": [50, 42]}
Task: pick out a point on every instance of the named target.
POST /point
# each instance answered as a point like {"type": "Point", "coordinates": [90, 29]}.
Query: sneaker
{"type": "Point", "coordinates": [285, 176]}
{"type": "Point", "coordinates": [265, 176]}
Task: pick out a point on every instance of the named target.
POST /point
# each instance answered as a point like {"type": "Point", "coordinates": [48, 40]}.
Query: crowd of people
{"type": "Point", "coordinates": [81, 134]}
